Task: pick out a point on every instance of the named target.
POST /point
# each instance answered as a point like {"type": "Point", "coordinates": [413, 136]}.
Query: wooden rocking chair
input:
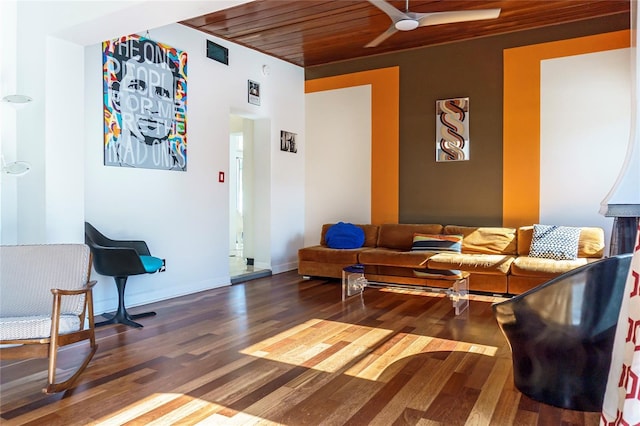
{"type": "Point", "coordinates": [46, 297]}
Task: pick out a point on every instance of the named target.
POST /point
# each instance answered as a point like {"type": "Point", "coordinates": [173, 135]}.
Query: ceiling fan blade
{"type": "Point", "coordinates": [394, 14]}
{"type": "Point", "coordinates": [382, 37]}
{"type": "Point", "coordinates": [437, 18]}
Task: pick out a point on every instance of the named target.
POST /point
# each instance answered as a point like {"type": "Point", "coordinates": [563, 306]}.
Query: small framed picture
{"type": "Point", "coordinates": [254, 92]}
{"type": "Point", "coordinates": [288, 141]}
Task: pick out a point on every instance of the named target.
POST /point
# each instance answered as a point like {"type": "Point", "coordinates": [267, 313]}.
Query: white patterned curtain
{"type": "Point", "coordinates": [621, 404]}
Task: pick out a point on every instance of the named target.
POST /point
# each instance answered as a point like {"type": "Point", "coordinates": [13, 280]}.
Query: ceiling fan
{"type": "Point", "coordinates": [407, 21]}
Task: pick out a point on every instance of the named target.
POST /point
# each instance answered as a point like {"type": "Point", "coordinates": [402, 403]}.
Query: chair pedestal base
{"type": "Point", "coordinates": [121, 316]}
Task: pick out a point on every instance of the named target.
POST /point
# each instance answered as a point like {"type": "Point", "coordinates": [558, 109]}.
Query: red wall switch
{"type": "Point", "coordinates": [220, 176]}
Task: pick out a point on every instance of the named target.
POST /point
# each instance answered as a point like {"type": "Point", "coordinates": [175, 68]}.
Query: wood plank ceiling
{"type": "Point", "coordinates": [314, 32]}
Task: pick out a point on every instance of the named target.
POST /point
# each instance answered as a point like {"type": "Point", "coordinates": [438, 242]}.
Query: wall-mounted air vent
{"type": "Point", "coordinates": [217, 52]}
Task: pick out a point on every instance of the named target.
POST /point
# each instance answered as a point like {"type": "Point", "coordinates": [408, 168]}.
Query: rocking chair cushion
{"type": "Point", "coordinates": [35, 327]}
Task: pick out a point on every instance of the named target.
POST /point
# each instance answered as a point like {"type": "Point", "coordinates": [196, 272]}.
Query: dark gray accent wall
{"type": "Point", "coordinates": [466, 192]}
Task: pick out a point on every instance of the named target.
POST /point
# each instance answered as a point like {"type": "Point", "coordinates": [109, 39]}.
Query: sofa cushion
{"type": "Point", "coordinates": [537, 267]}
{"type": "Point", "coordinates": [591, 243]}
{"type": "Point", "coordinates": [554, 242]}
{"type": "Point", "coordinates": [370, 234]}
{"type": "Point", "coordinates": [472, 262]}
{"type": "Point", "coordinates": [391, 257]}
{"type": "Point", "coordinates": [344, 236]}
{"type": "Point", "coordinates": [399, 236]}
{"type": "Point", "coordinates": [487, 240]}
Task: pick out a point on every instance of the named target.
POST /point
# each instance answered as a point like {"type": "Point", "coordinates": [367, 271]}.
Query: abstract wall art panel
{"type": "Point", "coordinates": [452, 129]}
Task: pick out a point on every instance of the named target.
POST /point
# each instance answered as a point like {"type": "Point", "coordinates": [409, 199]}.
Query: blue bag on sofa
{"type": "Point", "coordinates": [344, 236]}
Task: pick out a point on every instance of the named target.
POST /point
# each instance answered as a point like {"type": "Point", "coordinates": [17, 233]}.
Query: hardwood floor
{"type": "Point", "coordinates": [282, 350]}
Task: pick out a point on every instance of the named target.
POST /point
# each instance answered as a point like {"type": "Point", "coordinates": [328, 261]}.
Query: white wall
{"type": "Point", "coordinates": [8, 83]}
{"type": "Point", "coordinates": [182, 216]}
{"type": "Point", "coordinates": [64, 151]}
{"type": "Point", "coordinates": [338, 152]}
{"type": "Point", "coordinates": [585, 120]}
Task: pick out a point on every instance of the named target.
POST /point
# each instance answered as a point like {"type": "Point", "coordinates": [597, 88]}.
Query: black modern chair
{"type": "Point", "coordinates": [120, 259]}
{"type": "Point", "coordinates": [561, 334]}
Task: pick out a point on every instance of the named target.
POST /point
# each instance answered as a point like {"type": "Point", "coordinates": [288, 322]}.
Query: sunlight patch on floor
{"type": "Point", "coordinates": [137, 409]}
{"type": "Point", "coordinates": [321, 346]}
{"type": "Point", "coordinates": [366, 356]}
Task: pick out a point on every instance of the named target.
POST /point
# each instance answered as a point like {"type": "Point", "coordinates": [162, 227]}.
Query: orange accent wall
{"type": "Point", "coordinates": [521, 119]}
{"type": "Point", "coordinates": [385, 145]}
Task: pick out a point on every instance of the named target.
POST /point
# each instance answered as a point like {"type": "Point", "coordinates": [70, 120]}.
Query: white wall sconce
{"type": "Point", "coordinates": [17, 101]}
{"type": "Point", "coordinates": [16, 168]}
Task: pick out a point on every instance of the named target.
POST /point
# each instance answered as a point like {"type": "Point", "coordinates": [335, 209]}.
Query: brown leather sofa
{"type": "Point", "coordinates": [496, 257]}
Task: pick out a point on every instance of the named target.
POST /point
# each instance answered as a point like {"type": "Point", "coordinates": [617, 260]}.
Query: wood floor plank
{"type": "Point", "coordinates": [506, 408]}
{"type": "Point", "coordinates": [490, 394]}
{"type": "Point", "coordinates": [283, 350]}
{"type": "Point", "coordinates": [397, 411]}
{"type": "Point", "coordinates": [432, 376]}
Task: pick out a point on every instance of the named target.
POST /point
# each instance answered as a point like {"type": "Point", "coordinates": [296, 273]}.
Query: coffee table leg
{"type": "Point", "coordinates": [459, 294]}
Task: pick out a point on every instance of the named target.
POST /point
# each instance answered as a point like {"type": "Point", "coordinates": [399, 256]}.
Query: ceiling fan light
{"type": "Point", "coordinates": [406, 24]}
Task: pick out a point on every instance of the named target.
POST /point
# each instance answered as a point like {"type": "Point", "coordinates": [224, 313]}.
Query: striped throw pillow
{"type": "Point", "coordinates": [441, 274]}
{"type": "Point", "coordinates": [437, 243]}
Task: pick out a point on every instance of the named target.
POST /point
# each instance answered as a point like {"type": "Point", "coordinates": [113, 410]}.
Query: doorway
{"type": "Point", "coordinates": [242, 206]}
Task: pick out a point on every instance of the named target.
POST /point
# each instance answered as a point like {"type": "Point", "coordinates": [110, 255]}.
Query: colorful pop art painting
{"type": "Point", "coordinates": [144, 104]}
{"type": "Point", "coordinates": [452, 129]}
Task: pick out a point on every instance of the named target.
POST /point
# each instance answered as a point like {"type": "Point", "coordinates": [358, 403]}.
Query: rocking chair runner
{"type": "Point", "coordinates": [32, 318]}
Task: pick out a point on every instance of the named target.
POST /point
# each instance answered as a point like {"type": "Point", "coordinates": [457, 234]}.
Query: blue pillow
{"type": "Point", "coordinates": [344, 236]}
{"type": "Point", "coordinates": [151, 264]}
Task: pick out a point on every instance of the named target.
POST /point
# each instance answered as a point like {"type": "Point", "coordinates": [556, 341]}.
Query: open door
{"type": "Point", "coordinates": [242, 205]}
